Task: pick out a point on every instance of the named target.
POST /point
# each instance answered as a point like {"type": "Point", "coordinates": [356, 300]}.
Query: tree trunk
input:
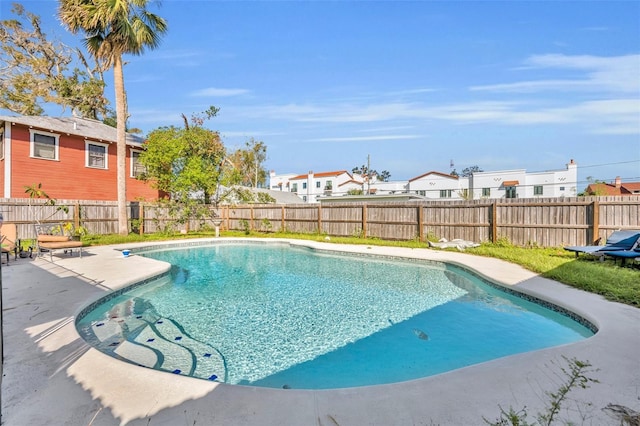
{"type": "Point", "coordinates": [121, 132]}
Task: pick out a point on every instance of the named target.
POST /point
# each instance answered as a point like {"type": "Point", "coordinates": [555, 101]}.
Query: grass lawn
{"type": "Point", "coordinates": [615, 282]}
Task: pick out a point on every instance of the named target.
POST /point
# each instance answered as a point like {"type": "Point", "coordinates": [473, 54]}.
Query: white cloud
{"type": "Point", "coordinates": [215, 91]}
{"type": "Point", "coordinates": [473, 112]}
{"type": "Point", "coordinates": [616, 74]}
{"type": "Point", "coordinates": [613, 116]}
{"type": "Point", "coordinates": [384, 129]}
{"type": "Point", "coordinates": [155, 116]}
{"type": "Point", "coordinates": [249, 133]}
{"type": "Point", "coordinates": [411, 92]}
{"type": "Point", "coordinates": [608, 104]}
{"type": "Point", "coordinates": [367, 138]}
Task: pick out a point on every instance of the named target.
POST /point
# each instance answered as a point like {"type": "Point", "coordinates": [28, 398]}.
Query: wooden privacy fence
{"type": "Point", "coordinates": [96, 217]}
{"type": "Point", "coordinates": [548, 222]}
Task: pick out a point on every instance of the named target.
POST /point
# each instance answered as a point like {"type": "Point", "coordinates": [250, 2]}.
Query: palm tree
{"type": "Point", "coordinates": [113, 28]}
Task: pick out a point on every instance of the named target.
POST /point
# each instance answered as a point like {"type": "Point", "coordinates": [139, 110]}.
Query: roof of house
{"type": "Point", "coordinates": [433, 173]}
{"type": "Point", "coordinates": [320, 175]}
{"type": "Point", "coordinates": [628, 188]}
{"type": "Point", "coordinates": [352, 182]}
{"type": "Point", "coordinates": [632, 187]}
{"type": "Point", "coordinates": [281, 197]}
{"type": "Point", "coordinates": [84, 127]}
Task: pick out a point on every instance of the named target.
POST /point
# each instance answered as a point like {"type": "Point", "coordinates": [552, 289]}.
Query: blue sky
{"type": "Point", "coordinates": [497, 84]}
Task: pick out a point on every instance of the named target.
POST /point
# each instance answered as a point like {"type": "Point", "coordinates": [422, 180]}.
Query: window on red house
{"type": "Point", "coordinates": [137, 168]}
{"type": "Point", "coordinates": [97, 155]}
{"type": "Point", "coordinates": [44, 146]}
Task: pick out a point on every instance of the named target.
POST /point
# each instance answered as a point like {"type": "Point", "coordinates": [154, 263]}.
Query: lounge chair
{"type": "Point", "coordinates": [623, 255]}
{"type": "Point", "coordinates": [56, 236]}
{"type": "Point", "coordinates": [617, 241]}
{"type": "Point", "coordinates": [9, 233]}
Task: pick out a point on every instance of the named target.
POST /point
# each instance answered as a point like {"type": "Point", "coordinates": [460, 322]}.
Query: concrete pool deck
{"type": "Point", "coordinates": [52, 377]}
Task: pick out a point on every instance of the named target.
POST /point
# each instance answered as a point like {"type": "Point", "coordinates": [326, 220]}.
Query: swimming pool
{"type": "Point", "coordinates": [288, 317]}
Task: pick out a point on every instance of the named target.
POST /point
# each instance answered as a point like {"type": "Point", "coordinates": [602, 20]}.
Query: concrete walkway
{"type": "Point", "coordinates": [52, 377]}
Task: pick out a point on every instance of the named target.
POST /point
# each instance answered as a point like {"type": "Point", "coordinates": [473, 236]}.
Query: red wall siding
{"type": "Point", "coordinates": [68, 178]}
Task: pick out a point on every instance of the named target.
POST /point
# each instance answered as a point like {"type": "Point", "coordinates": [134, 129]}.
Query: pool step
{"type": "Point", "coordinates": [159, 343]}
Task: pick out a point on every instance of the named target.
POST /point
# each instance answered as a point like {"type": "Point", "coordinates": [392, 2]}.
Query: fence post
{"type": "Point", "coordinates": [364, 221]}
{"type": "Point", "coordinates": [420, 222]}
{"type": "Point", "coordinates": [76, 215]}
{"type": "Point", "coordinates": [141, 219]}
{"type": "Point", "coordinates": [494, 222]}
{"type": "Point", "coordinates": [595, 226]}
{"type": "Point", "coordinates": [282, 220]}
{"type": "Point", "coordinates": [319, 218]}
{"type": "Point", "coordinates": [251, 216]}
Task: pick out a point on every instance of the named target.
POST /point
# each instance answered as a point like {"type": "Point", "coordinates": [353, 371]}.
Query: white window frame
{"type": "Point", "coordinates": [87, 151]}
{"type": "Point", "coordinates": [56, 145]}
{"type": "Point", "coordinates": [131, 161]}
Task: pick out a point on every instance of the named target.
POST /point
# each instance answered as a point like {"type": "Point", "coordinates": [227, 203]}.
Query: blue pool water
{"type": "Point", "coordinates": [276, 316]}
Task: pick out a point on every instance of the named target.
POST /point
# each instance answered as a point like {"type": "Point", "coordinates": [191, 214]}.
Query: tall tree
{"type": "Point", "coordinates": [113, 28]}
{"type": "Point", "coordinates": [249, 163]}
{"type": "Point", "coordinates": [384, 176]}
{"type": "Point", "coordinates": [370, 174]}
{"type": "Point", "coordinates": [36, 70]}
{"type": "Point", "coordinates": [185, 161]}
{"type": "Point", "coordinates": [468, 171]}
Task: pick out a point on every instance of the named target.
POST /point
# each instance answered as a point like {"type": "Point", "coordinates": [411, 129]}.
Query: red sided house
{"type": "Point", "coordinates": [73, 158]}
{"type": "Point", "coordinates": [616, 188]}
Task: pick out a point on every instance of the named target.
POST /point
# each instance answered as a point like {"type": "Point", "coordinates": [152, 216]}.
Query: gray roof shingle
{"type": "Point", "coordinates": [84, 127]}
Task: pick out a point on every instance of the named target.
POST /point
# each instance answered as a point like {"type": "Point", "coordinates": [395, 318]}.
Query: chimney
{"type": "Point", "coordinates": [310, 186]}
{"type": "Point", "coordinates": [75, 126]}
{"type": "Point", "coordinates": [618, 182]}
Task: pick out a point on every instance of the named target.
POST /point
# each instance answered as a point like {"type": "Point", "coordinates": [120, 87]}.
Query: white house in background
{"type": "Point", "coordinates": [439, 185]}
{"type": "Point", "coordinates": [520, 184]}
{"type": "Point", "coordinates": [500, 184]}
{"type": "Point", "coordinates": [311, 185]}
{"type": "Point", "coordinates": [435, 185]}
{"type": "Point", "coordinates": [389, 188]}
{"type": "Point", "coordinates": [280, 182]}
{"type": "Point", "coordinates": [354, 184]}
